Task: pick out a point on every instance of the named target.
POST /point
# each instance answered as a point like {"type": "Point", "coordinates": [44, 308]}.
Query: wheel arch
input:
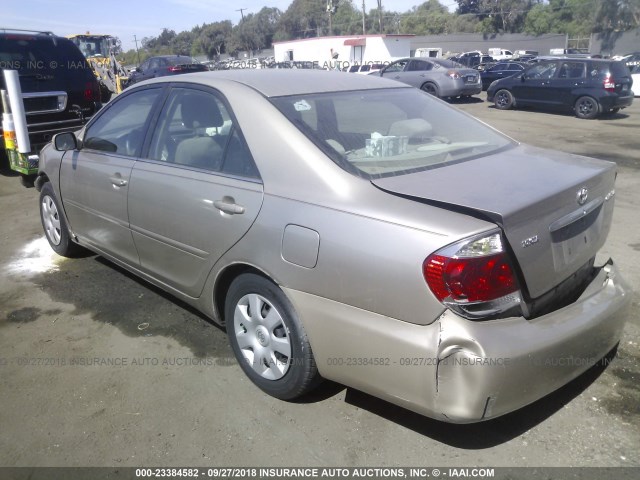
{"type": "Point", "coordinates": [223, 281]}
{"type": "Point", "coordinates": [41, 180]}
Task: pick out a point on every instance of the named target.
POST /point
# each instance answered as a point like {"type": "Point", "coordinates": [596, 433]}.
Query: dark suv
{"type": "Point", "coordinates": [59, 89]}
{"type": "Point", "coordinates": [589, 87]}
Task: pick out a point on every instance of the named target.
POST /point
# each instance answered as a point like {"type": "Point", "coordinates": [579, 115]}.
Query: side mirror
{"type": "Point", "coordinates": [64, 142]}
{"type": "Point", "coordinates": [523, 77]}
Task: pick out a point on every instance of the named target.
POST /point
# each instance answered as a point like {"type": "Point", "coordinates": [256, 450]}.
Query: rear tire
{"type": "Point", "coordinates": [55, 225]}
{"type": "Point", "coordinates": [268, 339]}
{"type": "Point", "coordinates": [587, 108]}
{"type": "Point", "coordinates": [431, 89]}
{"type": "Point", "coordinates": [503, 100]}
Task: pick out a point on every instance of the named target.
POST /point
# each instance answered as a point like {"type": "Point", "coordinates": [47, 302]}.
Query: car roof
{"type": "Point", "coordinates": [283, 82]}
{"type": "Point", "coordinates": [170, 56]}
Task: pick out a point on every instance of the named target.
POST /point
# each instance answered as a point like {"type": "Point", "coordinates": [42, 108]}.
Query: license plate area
{"type": "Point", "coordinates": [574, 242]}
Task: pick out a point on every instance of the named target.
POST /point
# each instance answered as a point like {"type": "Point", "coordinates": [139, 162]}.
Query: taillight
{"type": "Point", "coordinates": [609, 83]}
{"type": "Point", "coordinates": [453, 74]}
{"type": "Point", "coordinates": [91, 92]}
{"type": "Point", "coordinates": [177, 68]}
{"type": "Point", "coordinates": [474, 277]}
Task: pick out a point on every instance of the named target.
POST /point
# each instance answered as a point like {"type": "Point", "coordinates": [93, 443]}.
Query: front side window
{"type": "Point", "coordinates": [120, 128]}
{"type": "Point", "coordinates": [378, 133]}
{"type": "Point", "coordinates": [396, 66]}
{"type": "Point", "coordinates": [542, 71]}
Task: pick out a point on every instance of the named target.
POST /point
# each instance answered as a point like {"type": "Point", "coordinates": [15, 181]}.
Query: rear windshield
{"type": "Point", "coordinates": [619, 69]}
{"type": "Point", "coordinates": [600, 70]}
{"type": "Point", "coordinates": [380, 133]}
{"type": "Point", "coordinates": [180, 60]}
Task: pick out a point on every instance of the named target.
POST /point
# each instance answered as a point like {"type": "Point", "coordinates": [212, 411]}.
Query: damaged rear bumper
{"type": "Point", "coordinates": [459, 370]}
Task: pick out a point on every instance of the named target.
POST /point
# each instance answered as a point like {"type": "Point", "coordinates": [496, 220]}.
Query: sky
{"type": "Point", "coordinates": [144, 18]}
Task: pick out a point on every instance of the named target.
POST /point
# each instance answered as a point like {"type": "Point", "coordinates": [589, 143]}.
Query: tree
{"type": "Point", "coordinates": [303, 19]}
{"type": "Point", "coordinates": [468, 6]}
{"type": "Point", "coordinates": [213, 37]}
{"type": "Point", "coordinates": [347, 19]}
{"type": "Point", "coordinates": [255, 32]}
{"type": "Point", "coordinates": [617, 15]}
{"type": "Point", "coordinates": [504, 15]}
{"type": "Point", "coordinates": [429, 18]}
{"type": "Point", "coordinates": [181, 43]}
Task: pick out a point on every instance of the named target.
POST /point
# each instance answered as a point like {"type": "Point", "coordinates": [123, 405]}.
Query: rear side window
{"type": "Point", "coordinates": [420, 66]}
{"type": "Point", "coordinates": [196, 130]}
{"type": "Point", "coordinates": [619, 69]}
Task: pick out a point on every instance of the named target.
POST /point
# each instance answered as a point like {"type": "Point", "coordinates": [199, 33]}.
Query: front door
{"type": "Point", "coordinates": [94, 180]}
{"type": "Point", "coordinates": [533, 87]}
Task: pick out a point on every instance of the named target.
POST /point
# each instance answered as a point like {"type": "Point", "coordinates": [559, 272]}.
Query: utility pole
{"type": "Point", "coordinates": [380, 15]}
{"type": "Point", "coordinates": [241, 10]}
{"type": "Point", "coordinates": [137, 51]}
{"type": "Point", "coordinates": [364, 28]}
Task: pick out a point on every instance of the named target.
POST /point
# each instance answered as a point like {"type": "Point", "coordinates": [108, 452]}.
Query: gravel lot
{"type": "Point", "coordinates": [173, 395]}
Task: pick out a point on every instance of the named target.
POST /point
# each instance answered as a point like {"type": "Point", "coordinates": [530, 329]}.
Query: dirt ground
{"type": "Point", "coordinates": [98, 368]}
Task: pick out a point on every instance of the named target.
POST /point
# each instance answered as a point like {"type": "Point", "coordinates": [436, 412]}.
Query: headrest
{"type": "Point", "coordinates": [200, 111]}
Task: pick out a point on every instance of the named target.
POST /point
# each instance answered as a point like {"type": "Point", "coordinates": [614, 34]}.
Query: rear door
{"type": "Point", "coordinates": [571, 75]}
{"type": "Point", "coordinates": [94, 181]}
{"type": "Point", "coordinates": [196, 192]}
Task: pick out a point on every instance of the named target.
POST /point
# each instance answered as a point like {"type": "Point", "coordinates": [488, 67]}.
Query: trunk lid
{"type": "Point", "coordinates": [555, 209]}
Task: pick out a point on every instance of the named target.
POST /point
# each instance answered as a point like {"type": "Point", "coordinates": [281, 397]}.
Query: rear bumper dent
{"type": "Point", "coordinates": [463, 371]}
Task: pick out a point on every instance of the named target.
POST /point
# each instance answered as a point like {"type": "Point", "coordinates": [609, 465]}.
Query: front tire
{"type": "Point", "coordinates": [587, 108]}
{"type": "Point", "coordinates": [503, 100]}
{"type": "Point", "coordinates": [268, 339]}
{"type": "Point", "coordinates": [54, 224]}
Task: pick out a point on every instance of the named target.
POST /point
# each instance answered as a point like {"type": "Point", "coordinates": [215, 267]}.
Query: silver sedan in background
{"type": "Point", "coordinates": [350, 228]}
{"type": "Point", "coordinates": [438, 77]}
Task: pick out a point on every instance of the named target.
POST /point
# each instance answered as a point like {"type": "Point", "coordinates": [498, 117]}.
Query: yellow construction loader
{"type": "Point", "coordinates": [99, 52]}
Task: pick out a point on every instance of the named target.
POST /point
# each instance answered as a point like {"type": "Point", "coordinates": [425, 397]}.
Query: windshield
{"type": "Point", "coordinates": [379, 133]}
{"type": "Point", "coordinates": [92, 46]}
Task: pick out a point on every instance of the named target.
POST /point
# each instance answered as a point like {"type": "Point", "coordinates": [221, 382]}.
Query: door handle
{"type": "Point", "coordinates": [226, 205]}
{"type": "Point", "coordinates": [118, 181]}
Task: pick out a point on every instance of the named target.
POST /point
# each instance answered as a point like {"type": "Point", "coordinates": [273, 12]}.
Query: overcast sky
{"type": "Point", "coordinates": [144, 18]}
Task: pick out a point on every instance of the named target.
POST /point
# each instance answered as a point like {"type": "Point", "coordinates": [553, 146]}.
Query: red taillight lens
{"type": "Point", "coordinates": [177, 68]}
{"type": "Point", "coordinates": [91, 92]}
{"type": "Point", "coordinates": [475, 279]}
{"type": "Point", "coordinates": [453, 74]}
{"type": "Point", "coordinates": [609, 83]}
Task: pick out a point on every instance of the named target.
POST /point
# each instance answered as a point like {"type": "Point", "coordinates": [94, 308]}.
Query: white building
{"type": "Point", "coordinates": [344, 50]}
